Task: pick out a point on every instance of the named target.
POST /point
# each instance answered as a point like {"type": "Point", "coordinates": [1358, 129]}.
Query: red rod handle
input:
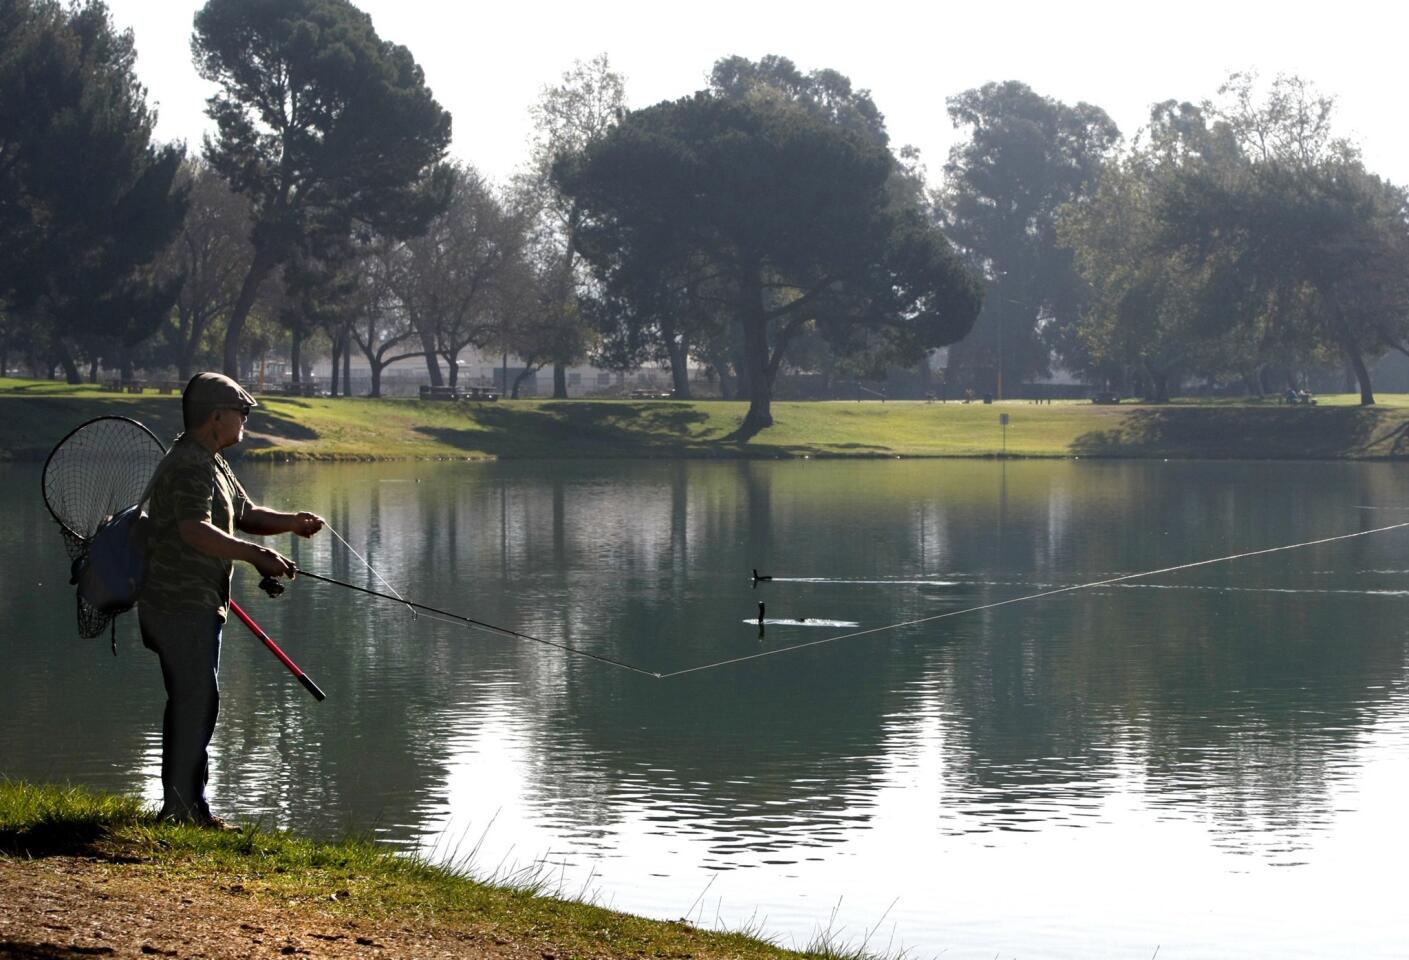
{"type": "Point", "coordinates": [308, 684]}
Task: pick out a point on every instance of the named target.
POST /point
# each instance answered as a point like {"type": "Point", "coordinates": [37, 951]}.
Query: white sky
{"type": "Point", "coordinates": [487, 62]}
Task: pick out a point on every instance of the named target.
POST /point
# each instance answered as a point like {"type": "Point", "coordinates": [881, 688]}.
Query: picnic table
{"type": "Point", "coordinates": [431, 392]}
{"type": "Point", "coordinates": [305, 389]}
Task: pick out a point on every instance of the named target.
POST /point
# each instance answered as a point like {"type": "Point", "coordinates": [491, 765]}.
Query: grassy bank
{"type": "Point", "coordinates": [352, 879]}
{"type": "Point", "coordinates": [34, 414]}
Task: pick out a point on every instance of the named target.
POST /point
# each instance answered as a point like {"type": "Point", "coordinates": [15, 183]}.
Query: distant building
{"type": "Point", "coordinates": [478, 369]}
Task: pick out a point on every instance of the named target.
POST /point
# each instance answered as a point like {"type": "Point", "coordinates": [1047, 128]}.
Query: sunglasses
{"type": "Point", "coordinates": [242, 409]}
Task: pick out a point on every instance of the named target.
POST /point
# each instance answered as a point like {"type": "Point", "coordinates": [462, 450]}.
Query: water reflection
{"type": "Point", "coordinates": [1244, 701]}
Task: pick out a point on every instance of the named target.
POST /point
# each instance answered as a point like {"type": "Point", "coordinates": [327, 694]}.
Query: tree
{"type": "Point", "coordinates": [779, 212]}
{"type": "Point", "coordinates": [1025, 157]}
{"type": "Point", "coordinates": [826, 94]}
{"type": "Point", "coordinates": [380, 322]}
{"type": "Point", "coordinates": [451, 279]}
{"type": "Point", "coordinates": [325, 127]}
{"type": "Point", "coordinates": [211, 256]}
{"type": "Point", "coordinates": [582, 107]}
{"type": "Point", "coordinates": [1149, 308]}
{"type": "Point", "coordinates": [87, 201]}
{"type": "Point", "coordinates": [1321, 252]}
{"type": "Point", "coordinates": [1306, 242]}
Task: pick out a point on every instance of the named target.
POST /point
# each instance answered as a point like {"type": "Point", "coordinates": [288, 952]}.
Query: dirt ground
{"type": "Point", "coordinates": [77, 907]}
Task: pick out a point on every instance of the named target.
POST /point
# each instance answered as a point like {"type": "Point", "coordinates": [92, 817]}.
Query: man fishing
{"type": "Point", "coordinates": [196, 508]}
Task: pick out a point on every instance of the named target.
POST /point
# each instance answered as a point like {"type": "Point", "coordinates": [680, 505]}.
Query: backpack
{"type": "Point", "coordinates": [111, 576]}
{"type": "Point", "coordinates": [112, 570]}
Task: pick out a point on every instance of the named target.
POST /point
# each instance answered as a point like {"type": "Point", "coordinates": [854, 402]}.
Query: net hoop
{"type": "Point", "coordinates": [99, 468]}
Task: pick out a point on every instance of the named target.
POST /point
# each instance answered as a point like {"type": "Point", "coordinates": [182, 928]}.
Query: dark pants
{"type": "Point", "coordinates": [189, 647]}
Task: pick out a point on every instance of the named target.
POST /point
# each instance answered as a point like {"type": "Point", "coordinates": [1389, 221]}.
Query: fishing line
{"type": "Point", "coordinates": [369, 566]}
{"type": "Point", "coordinates": [450, 617]}
{"type": "Point", "coordinates": [480, 624]}
{"type": "Point", "coordinates": [1032, 596]}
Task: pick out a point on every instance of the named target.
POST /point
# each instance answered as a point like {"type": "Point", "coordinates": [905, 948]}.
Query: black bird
{"type": "Point", "coordinates": [760, 576]}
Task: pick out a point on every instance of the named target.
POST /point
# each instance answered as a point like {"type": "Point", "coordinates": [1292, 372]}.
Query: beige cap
{"type": "Point", "coordinates": [209, 391]}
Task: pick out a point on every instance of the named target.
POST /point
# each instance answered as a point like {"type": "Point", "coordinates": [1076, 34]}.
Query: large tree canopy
{"type": "Point", "coordinates": [778, 213]}
{"type": "Point", "coordinates": [323, 125]}
{"type": "Point", "coordinates": [1240, 236]}
{"type": "Point", "coordinates": [87, 202]}
{"type": "Point", "coordinates": [1150, 309]}
{"type": "Point", "coordinates": [1025, 157]}
{"type": "Point", "coordinates": [1317, 254]}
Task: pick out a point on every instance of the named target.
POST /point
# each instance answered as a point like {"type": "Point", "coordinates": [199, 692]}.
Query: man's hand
{"type": "Point", "coordinates": [272, 563]}
{"type": "Point", "coordinates": [307, 524]}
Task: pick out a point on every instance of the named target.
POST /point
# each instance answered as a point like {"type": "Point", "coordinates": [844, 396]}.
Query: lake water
{"type": "Point", "coordinates": [1205, 763]}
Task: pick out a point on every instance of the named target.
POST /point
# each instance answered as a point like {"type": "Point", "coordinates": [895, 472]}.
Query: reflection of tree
{"type": "Point", "coordinates": [780, 755]}
{"type": "Point", "coordinates": [1202, 692]}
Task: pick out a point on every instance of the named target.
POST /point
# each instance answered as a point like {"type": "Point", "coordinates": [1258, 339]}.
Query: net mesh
{"type": "Point", "coordinates": [91, 621]}
{"type": "Point", "coordinates": [100, 468]}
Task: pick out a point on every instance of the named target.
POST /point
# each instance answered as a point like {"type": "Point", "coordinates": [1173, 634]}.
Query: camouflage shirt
{"type": "Point", "coordinates": [191, 483]}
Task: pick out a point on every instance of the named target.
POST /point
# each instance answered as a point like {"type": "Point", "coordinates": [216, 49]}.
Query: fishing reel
{"type": "Point", "coordinates": [271, 586]}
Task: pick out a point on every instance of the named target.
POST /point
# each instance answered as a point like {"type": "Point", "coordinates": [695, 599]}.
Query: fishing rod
{"type": "Point", "coordinates": [470, 621]}
{"type": "Point", "coordinates": [273, 647]}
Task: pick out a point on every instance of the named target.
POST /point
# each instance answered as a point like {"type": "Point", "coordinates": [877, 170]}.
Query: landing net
{"type": "Point", "coordinates": [101, 467]}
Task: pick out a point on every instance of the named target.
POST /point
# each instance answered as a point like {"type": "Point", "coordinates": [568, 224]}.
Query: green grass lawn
{"type": "Point", "coordinates": [35, 414]}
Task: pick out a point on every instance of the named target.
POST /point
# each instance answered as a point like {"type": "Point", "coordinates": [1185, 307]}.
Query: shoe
{"type": "Point", "coordinates": [206, 821]}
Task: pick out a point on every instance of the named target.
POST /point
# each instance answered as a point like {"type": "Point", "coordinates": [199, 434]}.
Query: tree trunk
{"type": "Point", "coordinates": [560, 381]}
{"type": "Point", "coordinates": [1362, 373]}
{"type": "Point", "coordinates": [428, 345]}
{"type": "Point", "coordinates": [337, 367]}
{"type": "Point", "coordinates": [755, 373]}
{"type": "Point", "coordinates": [93, 370]}
{"type": "Point", "coordinates": [719, 363]}
{"type": "Point", "coordinates": [679, 355]}
{"type": "Point", "coordinates": [1353, 356]}
{"type": "Point", "coordinates": [346, 365]}
{"type": "Point", "coordinates": [65, 358]}
{"type": "Point", "coordinates": [376, 378]}
{"type": "Point", "coordinates": [741, 376]}
{"type": "Point", "coordinates": [523, 375]}
{"type": "Point", "coordinates": [260, 266]}
{"type": "Point", "coordinates": [296, 356]}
